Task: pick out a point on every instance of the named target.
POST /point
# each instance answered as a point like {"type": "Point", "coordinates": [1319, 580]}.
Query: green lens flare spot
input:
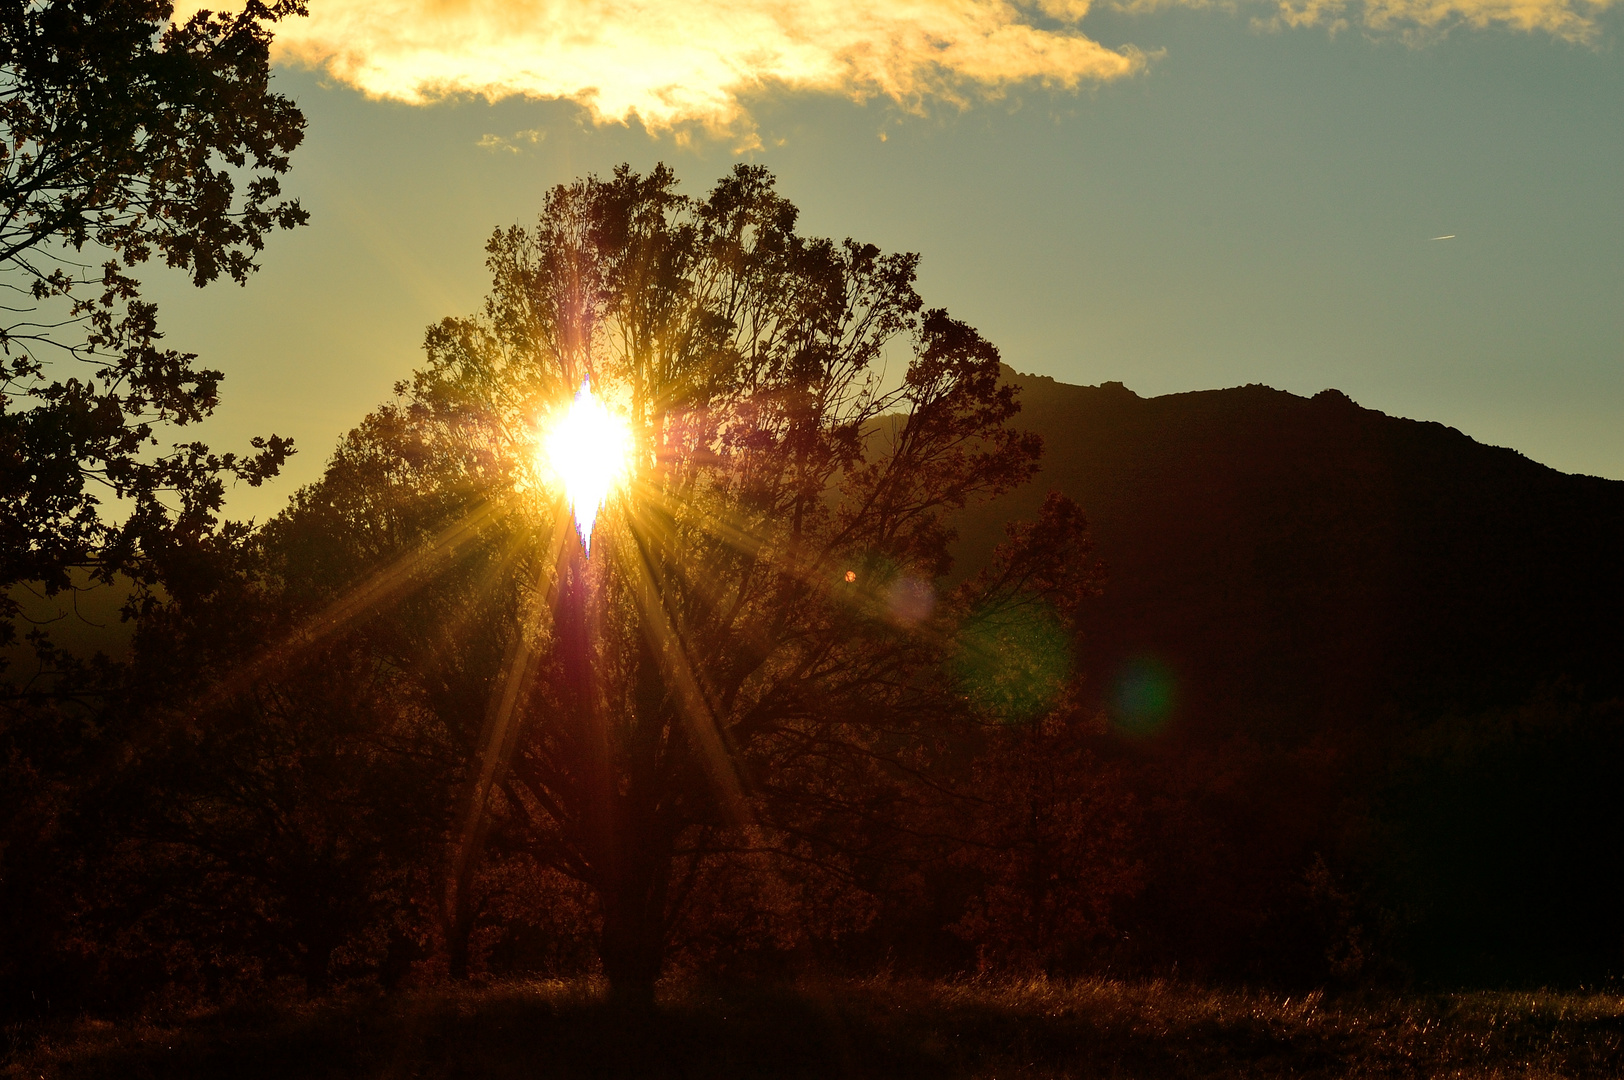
{"type": "Point", "coordinates": [1142, 697]}
{"type": "Point", "coordinates": [1013, 660]}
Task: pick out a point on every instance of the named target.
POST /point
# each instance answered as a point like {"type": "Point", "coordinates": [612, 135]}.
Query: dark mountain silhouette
{"type": "Point", "coordinates": [1363, 674]}
{"type": "Point", "coordinates": [1287, 563]}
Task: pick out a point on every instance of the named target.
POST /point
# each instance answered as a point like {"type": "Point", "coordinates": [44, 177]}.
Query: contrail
{"type": "Point", "coordinates": [1451, 236]}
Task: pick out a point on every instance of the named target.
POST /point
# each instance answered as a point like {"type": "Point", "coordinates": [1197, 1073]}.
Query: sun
{"type": "Point", "coordinates": [589, 450]}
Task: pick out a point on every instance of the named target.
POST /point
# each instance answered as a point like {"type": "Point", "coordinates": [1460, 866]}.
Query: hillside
{"type": "Point", "coordinates": [1286, 562]}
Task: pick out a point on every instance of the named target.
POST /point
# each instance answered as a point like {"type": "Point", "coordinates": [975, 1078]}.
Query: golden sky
{"type": "Point", "coordinates": [1176, 194]}
{"type": "Point", "coordinates": [670, 64]}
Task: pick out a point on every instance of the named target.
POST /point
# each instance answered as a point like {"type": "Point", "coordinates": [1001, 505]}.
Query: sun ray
{"type": "Point", "coordinates": [820, 572]}
{"type": "Point", "coordinates": [383, 585]}
{"type": "Point", "coordinates": [500, 732]}
{"type": "Point", "coordinates": [692, 703]}
{"type": "Point", "coordinates": [732, 532]}
{"type": "Point", "coordinates": [449, 634]}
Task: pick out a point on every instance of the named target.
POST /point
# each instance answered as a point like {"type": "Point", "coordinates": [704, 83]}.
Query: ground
{"type": "Point", "coordinates": [1093, 1028]}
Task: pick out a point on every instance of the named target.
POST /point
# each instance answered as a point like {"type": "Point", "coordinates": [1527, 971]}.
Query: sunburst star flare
{"type": "Point", "coordinates": [589, 449]}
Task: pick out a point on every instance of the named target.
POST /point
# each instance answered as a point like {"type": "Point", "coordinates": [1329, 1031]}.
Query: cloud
{"type": "Point", "coordinates": [1416, 21]}
{"type": "Point", "coordinates": [678, 63]}
{"type": "Point", "coordinates": [1419, 20]}
{"type": "Point", "coordinates": [683, 62]}
{"type": "Point", "coordinates": [511, 144]}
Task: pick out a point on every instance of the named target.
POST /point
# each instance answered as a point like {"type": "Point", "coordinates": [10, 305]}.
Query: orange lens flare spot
{"type": "Point", "coordinates": [589, 449]}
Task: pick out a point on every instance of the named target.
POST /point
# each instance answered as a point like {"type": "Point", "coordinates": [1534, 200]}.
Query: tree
{"type": "Point", "coordinates": [755, 658]}
{"type": "Point", "coordinates": [284, 831]}
{"type": "Point", "coordinates": [1047, 825]}
{"type": "Point", "coordinates": [122, 137]}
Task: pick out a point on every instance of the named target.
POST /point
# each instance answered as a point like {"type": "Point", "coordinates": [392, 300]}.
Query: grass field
{"type": "Point", "coordinates": [1096, 1028]}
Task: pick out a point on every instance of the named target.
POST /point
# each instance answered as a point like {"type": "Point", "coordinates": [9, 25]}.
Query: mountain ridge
{"type": "Point", "coordinates": [1293, 562]}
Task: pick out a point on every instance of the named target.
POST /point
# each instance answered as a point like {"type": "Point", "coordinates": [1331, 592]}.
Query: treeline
{"type": "Point", "coordinates": [227, 813]}
{"type": "Point", "coordinates": [267, 793]}
{"type": "Point", "coordinates": [271, 793]}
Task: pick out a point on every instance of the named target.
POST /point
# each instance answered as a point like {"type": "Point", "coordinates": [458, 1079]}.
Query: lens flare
{"type": "Point", "coordinates": [1014, 660]}
{"type": "Point", "coordinates": [1144, 696]}
{"type": "Point", "coordinates": [910, 600]}
{"type": "Point", "coordinates": [590, 450]}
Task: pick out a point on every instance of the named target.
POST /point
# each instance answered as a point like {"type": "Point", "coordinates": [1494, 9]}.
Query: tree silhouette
{"type": "Point", "coordinates": [755, 660]}
{"type": "Point", "coordinates": [122, 137]}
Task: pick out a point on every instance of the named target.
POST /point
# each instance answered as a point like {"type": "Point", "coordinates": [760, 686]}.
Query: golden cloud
{"type": "Point", "coordinates": [512, 145]}
{"type": "Point", "coordinates": [672, 63]}
{"type": "Point", "coordinates": [1571, 20]}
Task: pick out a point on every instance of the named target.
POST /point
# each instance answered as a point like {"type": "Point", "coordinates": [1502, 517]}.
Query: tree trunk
{"type": "Point", "coordinates": [632, 947]}
{"type": "Point", "coordinates": [459, 929]}
{"type": "Point", "coordinates": [628, 850]}
{"type": "Point", "coordinates": [317, 961]}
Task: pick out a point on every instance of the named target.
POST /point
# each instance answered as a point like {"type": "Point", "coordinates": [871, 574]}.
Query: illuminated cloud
{"type": "Point", "coordinates": [1571, 20]}
{"type": "Point", "coordinates": [671, 63]}
{"type": "Point", "coordinates": [1412, 20]}
{"type": "Point", "coordinates": [511, 144]}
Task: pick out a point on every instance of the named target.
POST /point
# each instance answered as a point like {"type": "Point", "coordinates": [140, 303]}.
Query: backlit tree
{"type": "Point", "coordinates": [746, 649]}
{"type": "Point", "coordinates": [123, 137]}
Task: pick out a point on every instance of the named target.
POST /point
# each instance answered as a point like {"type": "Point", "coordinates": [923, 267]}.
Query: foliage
{"type": "Point", "coordinates": [731, 676]}
{"type": "Point", "coordinates": [123, 137]}
{"type": "Point", "coordinates": [1051, 841]}
{"type": "Point", "coordinates": [1496, 844]}
{"type": "Point", "coordinates": [290, 819]}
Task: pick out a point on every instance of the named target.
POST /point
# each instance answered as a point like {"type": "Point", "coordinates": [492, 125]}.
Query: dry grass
{"type": "Point", "coordinates": [1095, 1028]}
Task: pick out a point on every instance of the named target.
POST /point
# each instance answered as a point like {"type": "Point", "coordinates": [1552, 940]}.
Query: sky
{"type": "Point", "coordinates": [1176, 196]}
